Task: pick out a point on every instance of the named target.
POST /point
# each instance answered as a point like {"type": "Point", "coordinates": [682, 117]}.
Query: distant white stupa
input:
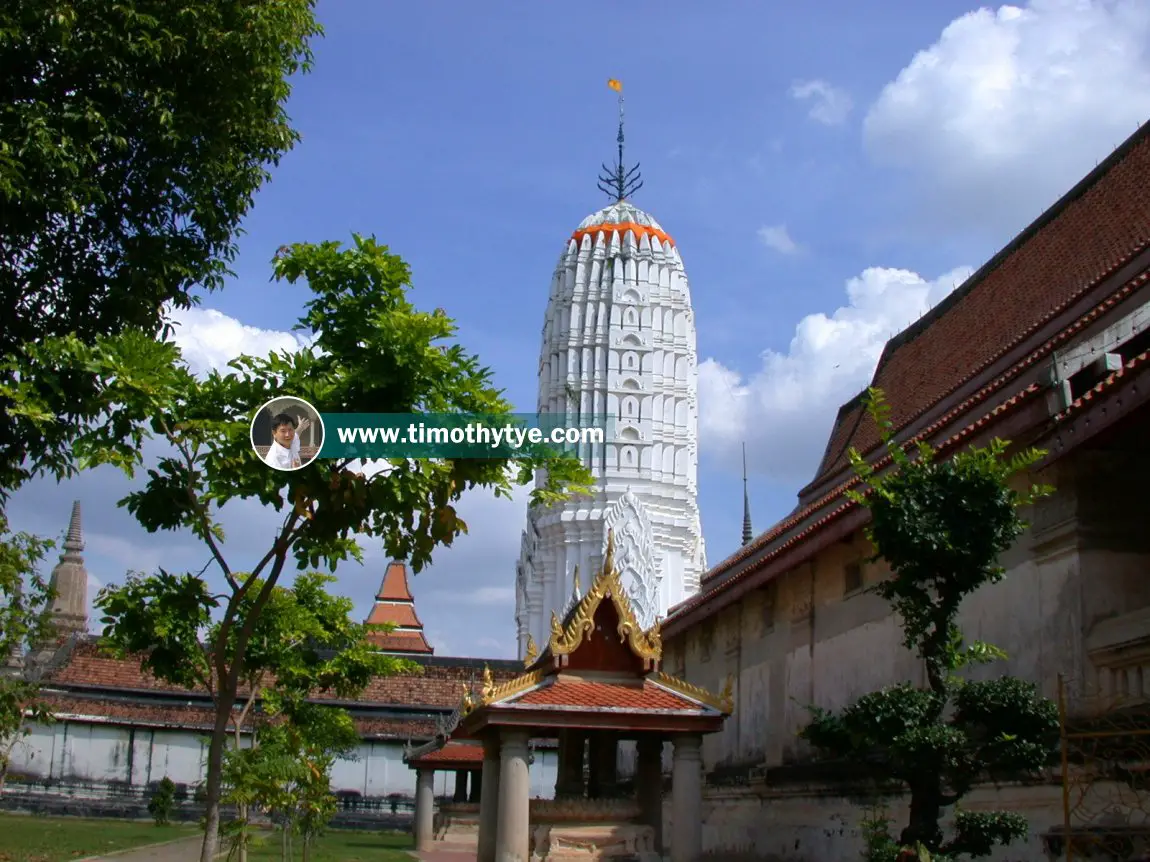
{"type": "Point", "coordinates": [619, 341]}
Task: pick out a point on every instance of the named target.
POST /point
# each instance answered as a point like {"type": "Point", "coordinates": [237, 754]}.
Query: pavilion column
{"type": "Point", "coordinates": [476, 784]}
{"type": "Point", "coordinates": [514, 836]}
{"type": "Point", "coordinates": [569, 781]}
{"type": "Point", "coordinates": [424, 808]}
{"type": "Point", "coordinates": [649, 784]}
{"type": "Point", "coordinates": [687, 799]}
{"type": "Point", "coordinates": [460, 786]}
{"type": "Point", "coordinates": [603, 780]}
{"type": "Point", "coordinates": [489, 800]}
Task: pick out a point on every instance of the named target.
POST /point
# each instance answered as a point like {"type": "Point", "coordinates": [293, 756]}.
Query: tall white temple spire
{"type": "Point", "coordinates": [618, 351]}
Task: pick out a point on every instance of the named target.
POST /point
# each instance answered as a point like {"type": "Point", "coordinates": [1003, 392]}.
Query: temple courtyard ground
{"type": "Point", "coordinates": [68, 839]}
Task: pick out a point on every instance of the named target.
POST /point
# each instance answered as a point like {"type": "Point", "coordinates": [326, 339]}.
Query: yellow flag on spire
{"type": "Point", "coordinates": [615, 85]}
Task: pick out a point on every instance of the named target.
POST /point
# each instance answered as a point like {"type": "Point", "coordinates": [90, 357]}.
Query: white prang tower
{"type": "Point", "coordinates": [619, 342]}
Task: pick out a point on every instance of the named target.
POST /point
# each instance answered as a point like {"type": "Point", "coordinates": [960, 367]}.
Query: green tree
{"type": "Point", "coordinates": [163, 801]}
{"type": "Point", "coordinates": [941, 526]}
{"type": "Point", "coordinates": [303, 643]}
{"type": "Point", "coordinates": [288, 774]}
{"type": "Point", "coordinates": [372, 352]}
{"type": "Point", "coordinates": [134, 135]}
{"type": "Point", "coordinates": [24, 601]}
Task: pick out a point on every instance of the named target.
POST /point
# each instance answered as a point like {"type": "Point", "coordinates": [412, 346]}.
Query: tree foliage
{"type": "Point", "coordinates": [24, 602]}
{"type": "Point", "coordinates": [288, 774]}
{"type": "Point", "coordinates": [134, 135]}
{"type": "Point", "coordinates": [163, 801]}
{"type": "Point", "coordinates": [372, 351]}
{"type": "Point", "coordinates": [941, 526]}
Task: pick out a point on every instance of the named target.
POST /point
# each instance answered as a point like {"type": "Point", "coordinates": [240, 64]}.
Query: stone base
{"type": "Point", "coordinates": [457, 826]}
{"type": "Point", "coordinates": [626, 842]}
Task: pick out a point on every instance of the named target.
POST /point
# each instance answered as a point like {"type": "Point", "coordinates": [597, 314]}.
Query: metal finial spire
{"type": "Point", "coordinates": [747, 532]}
{"type": "Point", "coordinates": [619, 182]}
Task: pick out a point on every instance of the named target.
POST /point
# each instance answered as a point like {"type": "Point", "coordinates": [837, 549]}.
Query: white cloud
{"type": "Point", "coordinates": [1009, 108]}
{"type": "Point", "coordinates": [777, 237]}
{"type": "Point", "coordinates": [784, 409]}
{"type": "Point", "coordinates": [210, 339]}
{"type": "Point", "coordinates": [829, 105]}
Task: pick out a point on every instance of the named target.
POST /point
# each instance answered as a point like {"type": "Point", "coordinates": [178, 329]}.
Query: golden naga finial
{"type": "Point", "coordinates": [727, 695]}
{"type": "Point", "coordinates": [468, 700]}
{"type": "Point", "coordinates": [609, 557]}
{"type": "Point", "coordinates": [488, 684]}
{"type": "Point", "coordinates": [532, 652]}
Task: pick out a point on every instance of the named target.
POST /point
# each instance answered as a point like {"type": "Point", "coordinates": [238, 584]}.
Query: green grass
{"type": "Point", "coordinates": [339, 846]}
{"type": "Point", "coordinates": [56, 839]}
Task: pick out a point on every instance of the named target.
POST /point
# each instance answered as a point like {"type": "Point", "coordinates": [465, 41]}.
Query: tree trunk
{"type": "Point", "coordinates": [242, 808]}
{"type": "Point", "coordinates": [6, 757]}
{"type": "Point", "coordinates": [925, 812]}
{"type": "Point", "coordinates": [213, 784]}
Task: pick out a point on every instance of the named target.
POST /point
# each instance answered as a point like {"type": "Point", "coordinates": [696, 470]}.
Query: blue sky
{"type": "Point", "coordinates": [824, 186]}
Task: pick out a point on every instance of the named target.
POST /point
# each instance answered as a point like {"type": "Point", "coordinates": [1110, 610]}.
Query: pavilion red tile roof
{"type": "Point", "coordinates": [1094, 230]}
{"type": "Point", "coordinates": [599, 669]}
{"type": "Point", "coordinates": [596, 694]}
{"type": "Point", "coordinates": [454, 752]}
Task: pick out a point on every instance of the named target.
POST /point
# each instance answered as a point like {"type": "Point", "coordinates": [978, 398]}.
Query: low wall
{"type": "Point", "coordinates": [758, 822]}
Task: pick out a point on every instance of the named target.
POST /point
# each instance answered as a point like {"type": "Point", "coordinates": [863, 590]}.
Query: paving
{"type": "Point", "coordinates": [443, 855]}
{"type": "Point", "coordinates": [180, 850]}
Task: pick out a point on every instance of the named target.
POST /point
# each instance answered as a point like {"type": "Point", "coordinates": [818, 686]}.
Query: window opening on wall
{"type": "Point", "coordinates": [852, 578]}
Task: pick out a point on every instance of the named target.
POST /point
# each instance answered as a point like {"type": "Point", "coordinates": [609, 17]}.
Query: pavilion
{"type": "Point", "coordinates": [596, 684]}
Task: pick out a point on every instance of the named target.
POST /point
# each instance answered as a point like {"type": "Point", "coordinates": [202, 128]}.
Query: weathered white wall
{"type": "Point", "coordinates": [100, 753]}
{"type": "Point", "coordinates": [94, 752]}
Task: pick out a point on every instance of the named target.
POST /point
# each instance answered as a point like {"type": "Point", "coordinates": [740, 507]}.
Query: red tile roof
{"type": "Point", "coordinates": [401, 615]}
{"type": "Point", "coordinates": [408, 643]}
{"type": "Point", "coordinates": [394, 585]}
{"type": "Point", "coordinates": [395, 606]}
{"type": "Point", "coordinates": [143, 711]}
{"type": "Point", "coordinates": [592, 694]}
{"type": "Point", "coordinates": [436, 683]}
{"type": "Point", "coordinates": [454, 752]}
{"type": "Point", "coordinates": [1097, 227]}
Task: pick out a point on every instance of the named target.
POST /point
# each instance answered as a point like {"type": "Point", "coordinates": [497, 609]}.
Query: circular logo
{"type": "Point", "coordinates": [287, 433]}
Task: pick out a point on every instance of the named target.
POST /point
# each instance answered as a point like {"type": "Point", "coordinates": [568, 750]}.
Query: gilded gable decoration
{"type": "Point", "coordinates": [512, 687]}
{"type": "Point", "coordinates": [565, 639]}
{"type": "Point", "coordinates": [488, 685]}
{"type": "Point", "coordinates": [532, 652]}
{"type": "Point", "coordinates": [723, 703]}
{"type": "Point", "coordinates": [468, 700]}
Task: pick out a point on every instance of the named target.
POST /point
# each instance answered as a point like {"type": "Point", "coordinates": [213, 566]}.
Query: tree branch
{"type": "Point", "coordinates": [200, 508]}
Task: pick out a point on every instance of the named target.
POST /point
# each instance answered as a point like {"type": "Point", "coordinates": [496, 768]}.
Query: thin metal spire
{"type": "Point", "coordinates": [748, 534]}
{"type": "Point", "coordinates": [619, 182]}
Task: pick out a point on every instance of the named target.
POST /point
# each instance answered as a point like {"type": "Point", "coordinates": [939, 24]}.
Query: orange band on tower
{"type": "Point", "coordinates": [640, 231]}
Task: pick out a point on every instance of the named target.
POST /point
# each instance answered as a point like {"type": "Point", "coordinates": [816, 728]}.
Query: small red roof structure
{"type": "Point", "coordinates": [600, 670]}
{"type": "Point", "coordinates": [450, 754]}
{"type": "Point", "coordinates": [395, 607]}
